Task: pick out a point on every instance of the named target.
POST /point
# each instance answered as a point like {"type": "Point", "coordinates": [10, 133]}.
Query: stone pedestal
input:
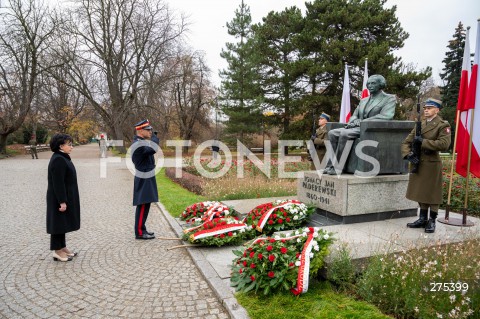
{"type": "Point", "coordinates": [351, 199]}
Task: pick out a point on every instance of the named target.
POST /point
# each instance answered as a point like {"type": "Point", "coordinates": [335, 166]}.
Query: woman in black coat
{"type": "Point", "coordinates": [63, 200]}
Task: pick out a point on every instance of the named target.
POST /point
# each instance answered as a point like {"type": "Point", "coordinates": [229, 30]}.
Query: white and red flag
{"type": "Point", "coordinates": [473, 105]}
{"type": "Point", "coordinates": [463, 123]}
{"type": "Point", "coordinates": [345, 112]}
{"type": "Point", "coordinates": [365, 91]}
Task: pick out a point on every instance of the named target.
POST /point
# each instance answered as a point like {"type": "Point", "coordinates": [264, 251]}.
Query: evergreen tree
{"type": "Point", "coordinates": [239, 95]}
{"type": "Point", "coordinates": [339, 31]}
{"type": "Point", "coordinates": [279, 67]}
{"type": "Point", "coordinates": [451, 74]}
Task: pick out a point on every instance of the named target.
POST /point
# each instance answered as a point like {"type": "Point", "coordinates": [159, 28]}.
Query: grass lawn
{"type": "Point", "coordinates": [174, 197]}
{"type": "Point", "coordinates": [321, 301]}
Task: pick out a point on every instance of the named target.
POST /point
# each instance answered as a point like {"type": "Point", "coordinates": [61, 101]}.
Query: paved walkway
{"type": "Point", "coordinates": [114, 276]}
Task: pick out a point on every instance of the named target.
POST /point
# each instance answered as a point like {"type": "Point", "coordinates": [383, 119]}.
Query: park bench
{"type": "Point", "coordinates": [40, 148]}
{"type": "Point", "coordinates": [257, 149]}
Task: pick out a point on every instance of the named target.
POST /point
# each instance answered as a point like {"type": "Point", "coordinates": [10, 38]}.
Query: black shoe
{"type": "Point", "coordinates": [421, 221]}
{"type": "Point", "coordinates": [145, 236]}
{"type": "Point", "coordinates": [430, 228]}
{"type": "Point", "coordinates": [149, 233]}
{"type": "Point", "coordinates": [329, 170]}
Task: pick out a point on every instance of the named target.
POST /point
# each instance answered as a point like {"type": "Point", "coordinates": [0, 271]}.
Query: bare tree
{"type": "Point", "coordinates": [192, 92]}
{"type": "Point", "coordinates": [110, 48]}
{"type": "Point", "coordinates": [58, 105]}
{"type": "Point", "coordinates": [24, 37]}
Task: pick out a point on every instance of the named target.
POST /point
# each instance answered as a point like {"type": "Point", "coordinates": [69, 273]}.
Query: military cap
{"type": "Point", "coordinates": [143, 125]}
{"type": "Point", "coordinates": [434, 103]}
{"type": "Point", "coordinates": [325, 116]}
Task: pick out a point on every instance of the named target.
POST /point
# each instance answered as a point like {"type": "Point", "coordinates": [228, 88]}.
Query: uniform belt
{"type": "Point", "coordinates": [429, 152]}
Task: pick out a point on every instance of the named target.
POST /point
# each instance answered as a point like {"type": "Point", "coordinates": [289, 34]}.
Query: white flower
{"type": "Point", "coordinates": [326, 236]}
{"type": "Point", "coordinates": [306, 230]}
{"type": "Point", "coordinates": [311, 255]}
{"type": "Point", "coordinates": [452, 298]}
{"type": "Point", "coordinates": [287, 235]}
{"type": "Point", "coordinates": [295, 217]}
{"type": "Point", "coordinates": [299, 240]}
{"type": "Point", "coordinates": [298, 263]}
{"type": "Point", "coordinates": [315, 235]}
{"type": "Point", "coordinates": [277, 237]}
{"type": "Point", "coordinates": [316, 248]}
{"type": "Point", "coordinates": [297, 232]}
{"type": "Point", "coordinates": [226, 212]}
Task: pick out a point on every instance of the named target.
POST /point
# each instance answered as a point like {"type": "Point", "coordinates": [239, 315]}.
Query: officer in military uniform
{"type": "Point", "coordinates": [33, 147]}
{"type": "Point", "coordinates": [425, 186]}
{"type": "Point", "coordinates": [144, 147]}
{"type": "Point", "coordinates": [320, 137]}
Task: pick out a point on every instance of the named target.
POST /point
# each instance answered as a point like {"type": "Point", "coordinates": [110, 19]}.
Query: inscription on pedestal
{"type": "Point", "coordinates": [318, 190]}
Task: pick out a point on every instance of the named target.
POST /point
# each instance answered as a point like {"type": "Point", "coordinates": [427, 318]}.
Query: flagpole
{"type": "Point", "coordinates": [469, 159]}
{"type": "Point", "coordinates": [447, 208]}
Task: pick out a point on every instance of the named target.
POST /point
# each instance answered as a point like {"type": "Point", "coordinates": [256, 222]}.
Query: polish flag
{"type": "Point", "coordinates": [365, 91]}
{"type": "Point", "coordinates": [345, 106]}
{"type": "Point", "coordinates": [462, 122]}
{"type": "Point", "coordinates": [473, 106]}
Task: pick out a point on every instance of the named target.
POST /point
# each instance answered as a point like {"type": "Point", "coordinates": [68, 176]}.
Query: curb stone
{"type": "Point", "coordinates": [219, 286]}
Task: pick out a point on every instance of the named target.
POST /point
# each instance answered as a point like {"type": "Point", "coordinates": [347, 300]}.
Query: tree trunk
{"type": "Point", "coordinates": [3, 144]}
{"type": "Point", "coordinates": [119, 136]}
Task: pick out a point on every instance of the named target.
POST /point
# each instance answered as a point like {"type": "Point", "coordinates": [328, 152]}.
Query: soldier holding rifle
{"type": "Point", "coordinates": [425, 184]}
{"type": "Point", "coordinates": [319, 137]}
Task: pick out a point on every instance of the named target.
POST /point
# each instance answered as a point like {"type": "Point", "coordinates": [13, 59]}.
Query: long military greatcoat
{"type": "Point", "coordinates": [319, 142]}
{"type": "Point", "coordinates": [62, 188]}
{"type": "Point", "coordinates": [144, 185]}
{"type": "Point", "coordinates": [425, 186]}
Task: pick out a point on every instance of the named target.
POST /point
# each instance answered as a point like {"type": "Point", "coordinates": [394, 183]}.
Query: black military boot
{"type": "Point", "coordinates": [430, 228]}
{"type": "Point", "coordinates": [421, 221]}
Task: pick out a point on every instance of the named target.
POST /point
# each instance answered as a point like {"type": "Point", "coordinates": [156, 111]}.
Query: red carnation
{"type": "Point", "coordinates": [274, 215]}
{"type": "Point", "coordinates": [252, 266]}
{"type": "Point", "coordinates": [252, 277]}
{"type": "Point", "coordinates": [271, 274]}
{"type": "Point", "coordinates": [260, 256]}
{"type": "Point", "coordinates": [271, 240]}
{"type": "Point", "coordinates": [271, 258]}
{"type": "Point", "coordinates": [291, 264]}
{"type": "Point", "coordinates": [245, 263]}
{"type": "Point", "coordinates": [288, 219]}
{"type": "Point", "coordinates": [241, 270]}
{"type": "Point", "coordinates": [280, 221]}
{"type": "Point", "coordinates": [252, 254]}
{"type": "Point", "coordinates": [283, 250]}
{"type": "Point", "coordinates": [222, 236]}
{"type": "Point", "coordinates": [270, 222]}
{"type": "Point", "coordinates": [230, 234]}
{"type": "Point", "coordinates": [269, 248]}
{"type": "Point", "coordinates": [285, 214]}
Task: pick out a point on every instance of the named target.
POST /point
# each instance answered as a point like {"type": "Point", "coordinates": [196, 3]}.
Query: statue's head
{"type": "Point", "coordinates": [375, 83]}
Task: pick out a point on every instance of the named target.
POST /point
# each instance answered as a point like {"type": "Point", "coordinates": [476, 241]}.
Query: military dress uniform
{"type": "Point", "coordinates": [321, 135]}
{"type": "Point", "coordinates": [33, 147]}
{"type": "Point", "coordinates": [145, 185]}
{"type": "Point", "coordinates": [425, 186]}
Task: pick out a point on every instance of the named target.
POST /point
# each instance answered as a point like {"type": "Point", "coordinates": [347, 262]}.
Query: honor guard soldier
{"type": "Point", "coordinates": [425, 186]}
{"type": "Point", "coordinates": [144, 147]}
{"type": "Point", "coordinates": [33, 146]}
{"type": "Point", "coordinates": [320, 137]}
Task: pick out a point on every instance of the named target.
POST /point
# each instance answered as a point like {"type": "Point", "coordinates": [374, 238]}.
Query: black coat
{"type": "Point", "coordinates": [62, 188]}
{"type": "Point", "coordinates": [144, 187]}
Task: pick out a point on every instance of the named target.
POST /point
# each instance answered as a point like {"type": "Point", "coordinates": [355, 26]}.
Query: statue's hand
{"type": "Point", "coordinates": [313, 137]}
{"type": "Point", "coordinates": [354, 123]}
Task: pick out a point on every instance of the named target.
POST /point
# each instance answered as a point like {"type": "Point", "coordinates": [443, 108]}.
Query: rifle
{"type": "Point", "coordinates": [417, 148]}
{"type": "Point", "coordinates": [314, 127]}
